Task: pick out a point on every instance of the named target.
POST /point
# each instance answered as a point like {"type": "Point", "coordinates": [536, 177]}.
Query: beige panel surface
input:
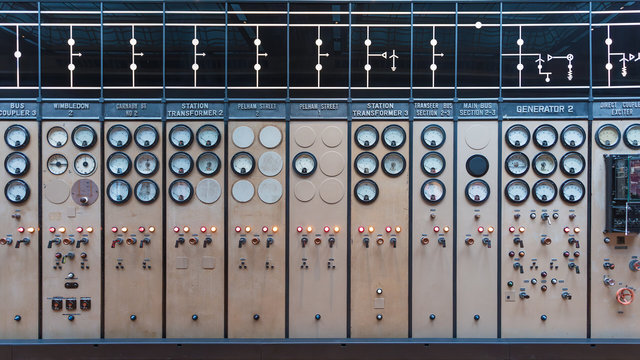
{"type": "Point", "coordinates": [318, 258]}
{"type": "Point", "coordinates": [381, 265]}
{"type": "Point", "coordinates": [61, 212]}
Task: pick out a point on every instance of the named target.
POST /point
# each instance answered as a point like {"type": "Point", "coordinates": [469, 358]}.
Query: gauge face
{"type": "Point", "coordinates": [119, 163]}
{"type": "Point", "coordinates": [304, 163]}
{"type": "Point", "coordinates": [146, 136]}
{"type": "Point", "coordinates": [16, 164]}
{"type": "Point", "coordinates": [366, 191]}
{"type": "Point", "coordinates": [573, 136]}
{"type": "Point", "coordinates": [433, 136]}
{"type": "Point", "coordinates": [517, 190]}
{"type": "Point", "coordinates": [545, 136]}
{"type": "Point", "coordinates": [119, 191]}
{"type": "Point", "coordinates": [544, 191]}
{"type": "Point", "coordinates": [146, 163]}
{"type": "Point", "coordinates": [16, 191]}
{"type": "Point", "coordinates": [393, 136]}
{"type": "Point", "coordinates": [433, 190]}
{"type": "Point", "coordinates": [119, 136]}
{"type": "Point", "coordinates": [608, 136]}
{"type": "Point", "coordinates": [57, 164]}
{"type": "Point", "coordinates": [57, 136]}
{"type": "Point", "coordinates": [16, 136]}
{"type": "Point", "coordinates": [146, 191]}
{"type": "Point", "coordinates": [180, 136]}
{"type": "Point", "coordinates": [572, 163]}
{"type": "Point", "coordinates": [433, 163]}
{"type": "Point", "coordinates": [208, 136]}
{"type": "Point", "coordinates": [518, 136]}
{"type": "Point", "coordinates": [83, 136]}
{"type": "Point", "coordinates": [366, 163]}
{"type": "Point", "coordinates": [393, 164]}
{"type": "Point", "coordinates": [477, 191]}
{"type": "Point", "coordinates": [517, 164]}
{"type": "Point", "coordinates": [85, 164]}
{"type": "Point", "coordinates": [632, 136]}
{"type": "Point", "coordinates": [366, 136]}
{"type": "Point", "coordinates": [180, 191]}
{"type": "Point", "coordinates": [544, 164]}
{"type": "Point", "coordinates": [242, 163]}
{"type": "Point", "coordinates": [181, 163]}
{"type": "Point", "coordinates": [572, 191]}
{"type": "Point", "coordinates": [208, 163]}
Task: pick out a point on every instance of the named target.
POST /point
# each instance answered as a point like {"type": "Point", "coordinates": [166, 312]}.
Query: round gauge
{"type": "Point", "coordinates": [544, 164]}
{"type": "Point", "coordinates": [208, 136]}
{"type": "Point", "coordinates": [366, 163]}
{"type": "Point", "coordinates": [85, 164]}
{"type": "Point", "coordinates": [517, 164]}
{"type": "Point", "coordinates": [608, 136]}
{"type": "Point", "coordinates": [518, 136]}
{"type": "Point", "coordinates": [16, 136]}
{"type": "Point", "coordinates": [119, 136]}
{"type": "Point", "coordinates": [433, 136]}
{"type": "Point", "coordinates": [544, 191]}
{"type": "Point", "coordinates": [16, 164]}
{"type": "Point", "coordinates": [393, 164]}
{"type": "Point", "coordinates": [572, 163]}
{"type": "Point", "coordinates": [433, 163]}
{"type": "Point", "coordinates": [366, 191]}
{"type": "Point", "coordinates": [146, 136]}
{"type": "Point", "coordinates": [242, 163]}
{"type": "Point", "coordinates": [146, 164]}
{"type": "Point", "coordinates": [517, 190]}
{"type": "Point", "coordinates": [84, 136]}
{"type": "Point", "coordinates": [433, 190]}
{"type": "Point", "coordinates": [181, 163]}
{"type": "Point", "coordinates": [57, 164]}
{"type": "Point", "coordinates": [632, 136]}
{"type": "Point", "coordinates": [366, 136]}
{"type": "Point", "coordinates": [57, 136]}
{"type": "Point", "coordinates": [119, 163]}
{"type": "Point", "coordinates": [119, 191]}
{"type": "Point", "coordinates": [208, 163]}
{"type": "Point", "coordinates": [572, 136]}
{"type": "Point", "coordinates": [545, 136]}
{"type": "Point", "coordinates": [180, 191]}
{"type": "Point", "coordinates": [304, 163]}
{"type": "Point", "coordinates": [180, 136]}
{"type": "Point", "coordinates": [16, 191]}
{"type": "Point", "coordinates": [477, 191]}
{"type": "Point", "coordinates": [146, 191]}
{"type": "Point", "coordinates": [393, 136]}
{"type": "Point", "coordinates": [477, 165]}
{"type": "Point", "coordinates": [572, 191]}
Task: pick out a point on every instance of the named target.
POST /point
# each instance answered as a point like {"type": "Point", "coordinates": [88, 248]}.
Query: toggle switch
{"type": "Point", "coordinates": [208, 241]}
{"type": "Point", "coordinates": [26, 241]}
{"type": "Point", "coordinates": [241, 241]}
{"type": "Point", "coordinates": [180, 240]}
{"type": "Point", "coordinates": [442, 242]}
{"type": "Point", "coordinates": [83, 240]}
{"type": "Point", "coordinates": [116, 241]}
{"type": "Point", "coordinates": [518, 241]}
{"type": "Point", "coordinates": [608, 265]}
{"type": "Point", "coordinates": [269, 241]}
{"type": "Point", "coordinates": [393, 241]}
{"type": "Point", "coordinates": [6, 241]}
{"type": "Point", "coordinates": [366, 241]}
{"type": "Point", "coordinates": [304, 240]}
{"type": "Point", "coordinates": [486, 242]}
{"type": "Point", "coordinates": [573, 240]}
{"type": "Point", "coordinates": [609, 282]}
{"type": "Point", "coordinates": [332, 241]}
{"type": "Point", "coordinates": [518, 266]}
{"type": "Point", "coordinates": [523, 295]}
{"type": "Point", "coordinates": [55, 240]}
{"type": "Point", "coordinates": [145, 240]}
{"type": "Point", "coordinates": [566, 295]}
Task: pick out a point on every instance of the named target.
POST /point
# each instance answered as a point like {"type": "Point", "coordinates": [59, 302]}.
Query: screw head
{"type": "Point", "coordinates": [133, 317]}
{"type": "Point", "coordinates": [432, 316]}
{"type": "Point", "coordinates": [194, 317]}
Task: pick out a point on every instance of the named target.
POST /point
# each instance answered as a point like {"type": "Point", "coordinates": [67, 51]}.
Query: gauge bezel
{"type": "Point", "coordinates": [26, 138]}
{"type": "Point", "coordinates": [65, 133]}
{"type": "Point", "coordinates": [466, 191]}
{"type": "Point", "coordinates": [562, 159]}
{"type": "Point", "coordinates": [355, 163]}
{"type": "Point", "coordinates": [190, 192]}
{"type": "Point", "coordinates": [49, 159]}
{"type": "Point", "coordinates": [565, 184]}
{"type": "Point", "coordinates": [190, 136]}
{"type": "Point", "coordinates": [202, 129]}
{"type": "Point", "coordinates": [444, 136]}
{"type": "Point", "coordinates": [135, 192]}
{"type": "Point", "coordinates": [253, 161]}
{"type": "Point", "coordinates": [355, 136]}
{"type": "Point", "coordinates": [138, 129]}
{"type": "Point", "coordinates": [206, 153]}
{"type": "Point", "coordinates": [597, 136]}
{"type": "Point", "coordinates": [404, 136]}
{"type": "Point", "coordinates": [506, 164]}
{"type": "Point", "coordinates": [109, 191]}
{"type": "Point", "coordinates": [506, 136]}
{"type": "Point", "coordinates": [191, 164]}
{"type": "Point", "coordinates": [76, 169]}
{"type": "Point", "coordinates": [555, 163]}
{"type": "Point", "coordinates": [404, 164]}
{"type": "Point", "coordinates": [555, 191]}
{"type": "Point", "coordinates": [26, 195]}
{"type": "Point", "coordinates": [84, 126]}
{"type": "Point", "coordinates": [566, 128]}
{"type": "Point", "coordinates": [119, 126]}
{"type": "Point", "coordinates": [135, 163]}
{"type": "Point", "coordinates": [624, 137]}
{"type": "Point", "coordinates": [510, 183]}
{"type": "Point", "coordinates": [539, 128]}
{"type": "Point", "coordinates": [359, 183]}
{"type": "Point", "coordinates": [26, 168]}
{"type": "Point", "coordinates": [295, 158]}
{"type": "Point", "coordinates": [444, 163]}
{"type": "Point", "coordinates": [128, 161]}
{"type": "Point", "coordinates": [444, 191]}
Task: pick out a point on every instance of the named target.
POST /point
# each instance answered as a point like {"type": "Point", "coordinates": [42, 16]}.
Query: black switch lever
{"type": "Point", "coordinates": [518, 241]}
{"type": "Point", "coordinates": [84, 240]}
{"type": "Point", "coordinates": [574, 241]}
{"type": "Point", "coordinates": [566, 295]}
{"type": "Point", "coordinates": [242, 241]}
{"type": "Point", "coordinates": [116, 241]}
{"type": "Point", "coordinates": [442, 242]}
{"type": "Point", "coordinates": [179, 241]}
{"type": "Point", "coordinates": [207, 241]}
{"type": "Point", "coordinates": [269, 241]}
{"type": "Point", "coordinates": [518, 266]}
{"type": "Point", "coordinates": [332, 241]}
{"type": "Point", "coordinates": [524, 295]}
{"type": "Point", "coordinates": [393, 241]}
{"type": "Point", "coordinates": [56, 241]}
{"type": "Point", "coordinates": [304, 241]}
{"type": "Point", "coordinates": [26, 241]}
{"type": "Point", "coordinates": [486, 242]}
{"type": "Point", "coordinates": [366, 242]}
{"type": "Point", "coordinates": [143, 241]}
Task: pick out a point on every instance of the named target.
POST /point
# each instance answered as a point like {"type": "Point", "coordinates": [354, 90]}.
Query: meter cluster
{"type": "Point", "coordinates": [16, 164]}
